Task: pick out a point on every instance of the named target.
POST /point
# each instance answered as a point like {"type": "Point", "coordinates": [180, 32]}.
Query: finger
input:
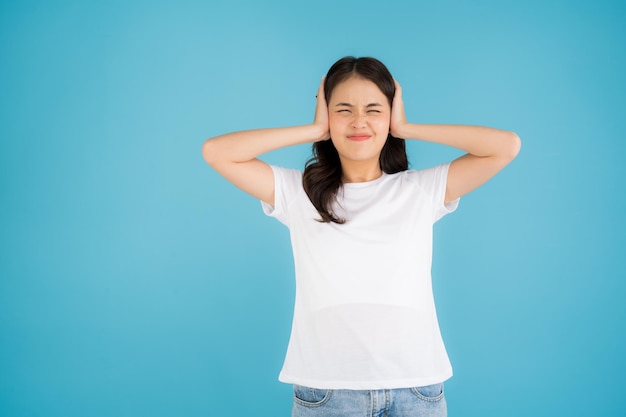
{"type": "Point", "coordinates": [321, 108]}
{"type": "Point", "coordinates": [320, 90]}
{"type": "Point", "coordinates": [398, 88]}
{"type": "Point", "coordinates": [321, 99]}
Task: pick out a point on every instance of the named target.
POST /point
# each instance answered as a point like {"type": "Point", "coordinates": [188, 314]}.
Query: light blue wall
{"type": "Point", "coordinates": [134, 281]}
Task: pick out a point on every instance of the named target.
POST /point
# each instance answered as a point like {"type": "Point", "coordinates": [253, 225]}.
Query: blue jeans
{"type": "Point", "coordinates": [426, 401]}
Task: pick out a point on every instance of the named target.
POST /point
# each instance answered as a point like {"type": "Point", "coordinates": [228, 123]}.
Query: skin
{"type": "Point", "coordinates": [359, 117]}
{"type": "Point", "coordinates": [488, 150]}
{"type": "Point", "coordinates": [234, 155]}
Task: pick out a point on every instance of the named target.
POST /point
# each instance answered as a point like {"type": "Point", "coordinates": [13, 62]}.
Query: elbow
{"type": "Point", "coordinates": [208, 152]}
{"type": "Point", "coordinates": [513, 145]}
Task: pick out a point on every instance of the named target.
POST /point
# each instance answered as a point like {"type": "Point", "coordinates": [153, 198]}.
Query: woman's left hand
{"type": "Point", "coordinates": [398, 117]}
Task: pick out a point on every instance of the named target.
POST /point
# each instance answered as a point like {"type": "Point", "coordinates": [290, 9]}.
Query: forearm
{"type": "Point", "coordinates": [246, 145]}
{"type": "Point", "coordinates": [476, 140]}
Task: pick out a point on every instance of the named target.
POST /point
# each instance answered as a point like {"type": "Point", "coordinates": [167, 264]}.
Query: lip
{"type": "Point", "coordinates": [359, 137]}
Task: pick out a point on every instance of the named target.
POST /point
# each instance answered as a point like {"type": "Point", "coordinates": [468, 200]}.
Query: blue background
{"type": "Point", "coordinates": [134, 281]}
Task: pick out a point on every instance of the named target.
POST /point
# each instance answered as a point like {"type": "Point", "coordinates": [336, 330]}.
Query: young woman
{"type": "Point", "coordinates": [365, 338]}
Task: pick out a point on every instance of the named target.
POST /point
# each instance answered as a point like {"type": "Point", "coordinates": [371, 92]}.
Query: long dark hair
{"type": "Point", "coordinates": [322, 173]}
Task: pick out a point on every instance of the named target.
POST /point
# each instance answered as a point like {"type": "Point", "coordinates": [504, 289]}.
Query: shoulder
{"type": "Point", "coordinates": [424, 180]}
{"type": "Point", "coordinates": [412, 176]}
{"type": "Point", "coordinates": [429, 171]}
{"type": "Point", "coordinates": [287, 182]}
{"type": "Point", "coordinates": [287, 176]}
{"type": "Point", "coordinates": [436, 173]}
{"type": "Point", "coordinates": [286, 172]}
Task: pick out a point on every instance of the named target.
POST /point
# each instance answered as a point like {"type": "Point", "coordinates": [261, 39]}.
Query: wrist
{"type": "Point", "coordinates": [403, 131]}
{"type": "Point", "coordinates": [319, 132]}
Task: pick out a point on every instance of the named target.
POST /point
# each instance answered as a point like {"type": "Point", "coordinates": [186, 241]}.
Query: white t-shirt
{"type": "Point", "coordinates": [364, 316]}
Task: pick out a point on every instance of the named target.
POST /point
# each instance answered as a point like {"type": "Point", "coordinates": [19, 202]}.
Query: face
{"type": "Point", "coordinates": [359, 116]}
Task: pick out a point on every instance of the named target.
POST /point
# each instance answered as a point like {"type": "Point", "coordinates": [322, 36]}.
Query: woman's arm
{"type": "Point", "coordinates": [234, 155]}
{"type": "Point", "coordinates": [488, 150]}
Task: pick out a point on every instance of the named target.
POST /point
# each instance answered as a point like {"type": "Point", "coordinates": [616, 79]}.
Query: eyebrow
{"type": "Point", "coordinates": [351, 105]}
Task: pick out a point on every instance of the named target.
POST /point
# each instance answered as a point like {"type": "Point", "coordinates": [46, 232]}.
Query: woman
{"type": "Point", "coordinates": [365, 338]}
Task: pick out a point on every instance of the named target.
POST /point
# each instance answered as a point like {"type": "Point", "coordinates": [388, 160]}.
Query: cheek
{"type": "Point", "coordinates": [336, 123]}
{"type": "Point", "coordinates": [382, 124]}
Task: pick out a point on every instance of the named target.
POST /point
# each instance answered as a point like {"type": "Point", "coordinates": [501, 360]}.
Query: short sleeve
{"type": "Point", "coordinates": [287, 183]}
{"type": "Point", "coordinates": [433, 181]}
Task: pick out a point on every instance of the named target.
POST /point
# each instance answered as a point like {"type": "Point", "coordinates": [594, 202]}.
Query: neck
{"type": "Point", "coordinates": [360, 171]}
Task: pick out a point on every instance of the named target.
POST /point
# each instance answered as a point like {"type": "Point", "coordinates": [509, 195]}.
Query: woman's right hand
{"type": "Point", "coordinates": [321, 114]}
{"type": "Point", "coordinates": [235, 155]}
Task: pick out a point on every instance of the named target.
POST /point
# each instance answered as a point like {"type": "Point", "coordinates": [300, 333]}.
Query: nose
{"type": "Point", "coordinates": [358, 121]}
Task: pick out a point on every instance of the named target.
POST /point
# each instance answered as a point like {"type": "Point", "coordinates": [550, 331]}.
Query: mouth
{"type": "Point", "coordinates": [359, 137]}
